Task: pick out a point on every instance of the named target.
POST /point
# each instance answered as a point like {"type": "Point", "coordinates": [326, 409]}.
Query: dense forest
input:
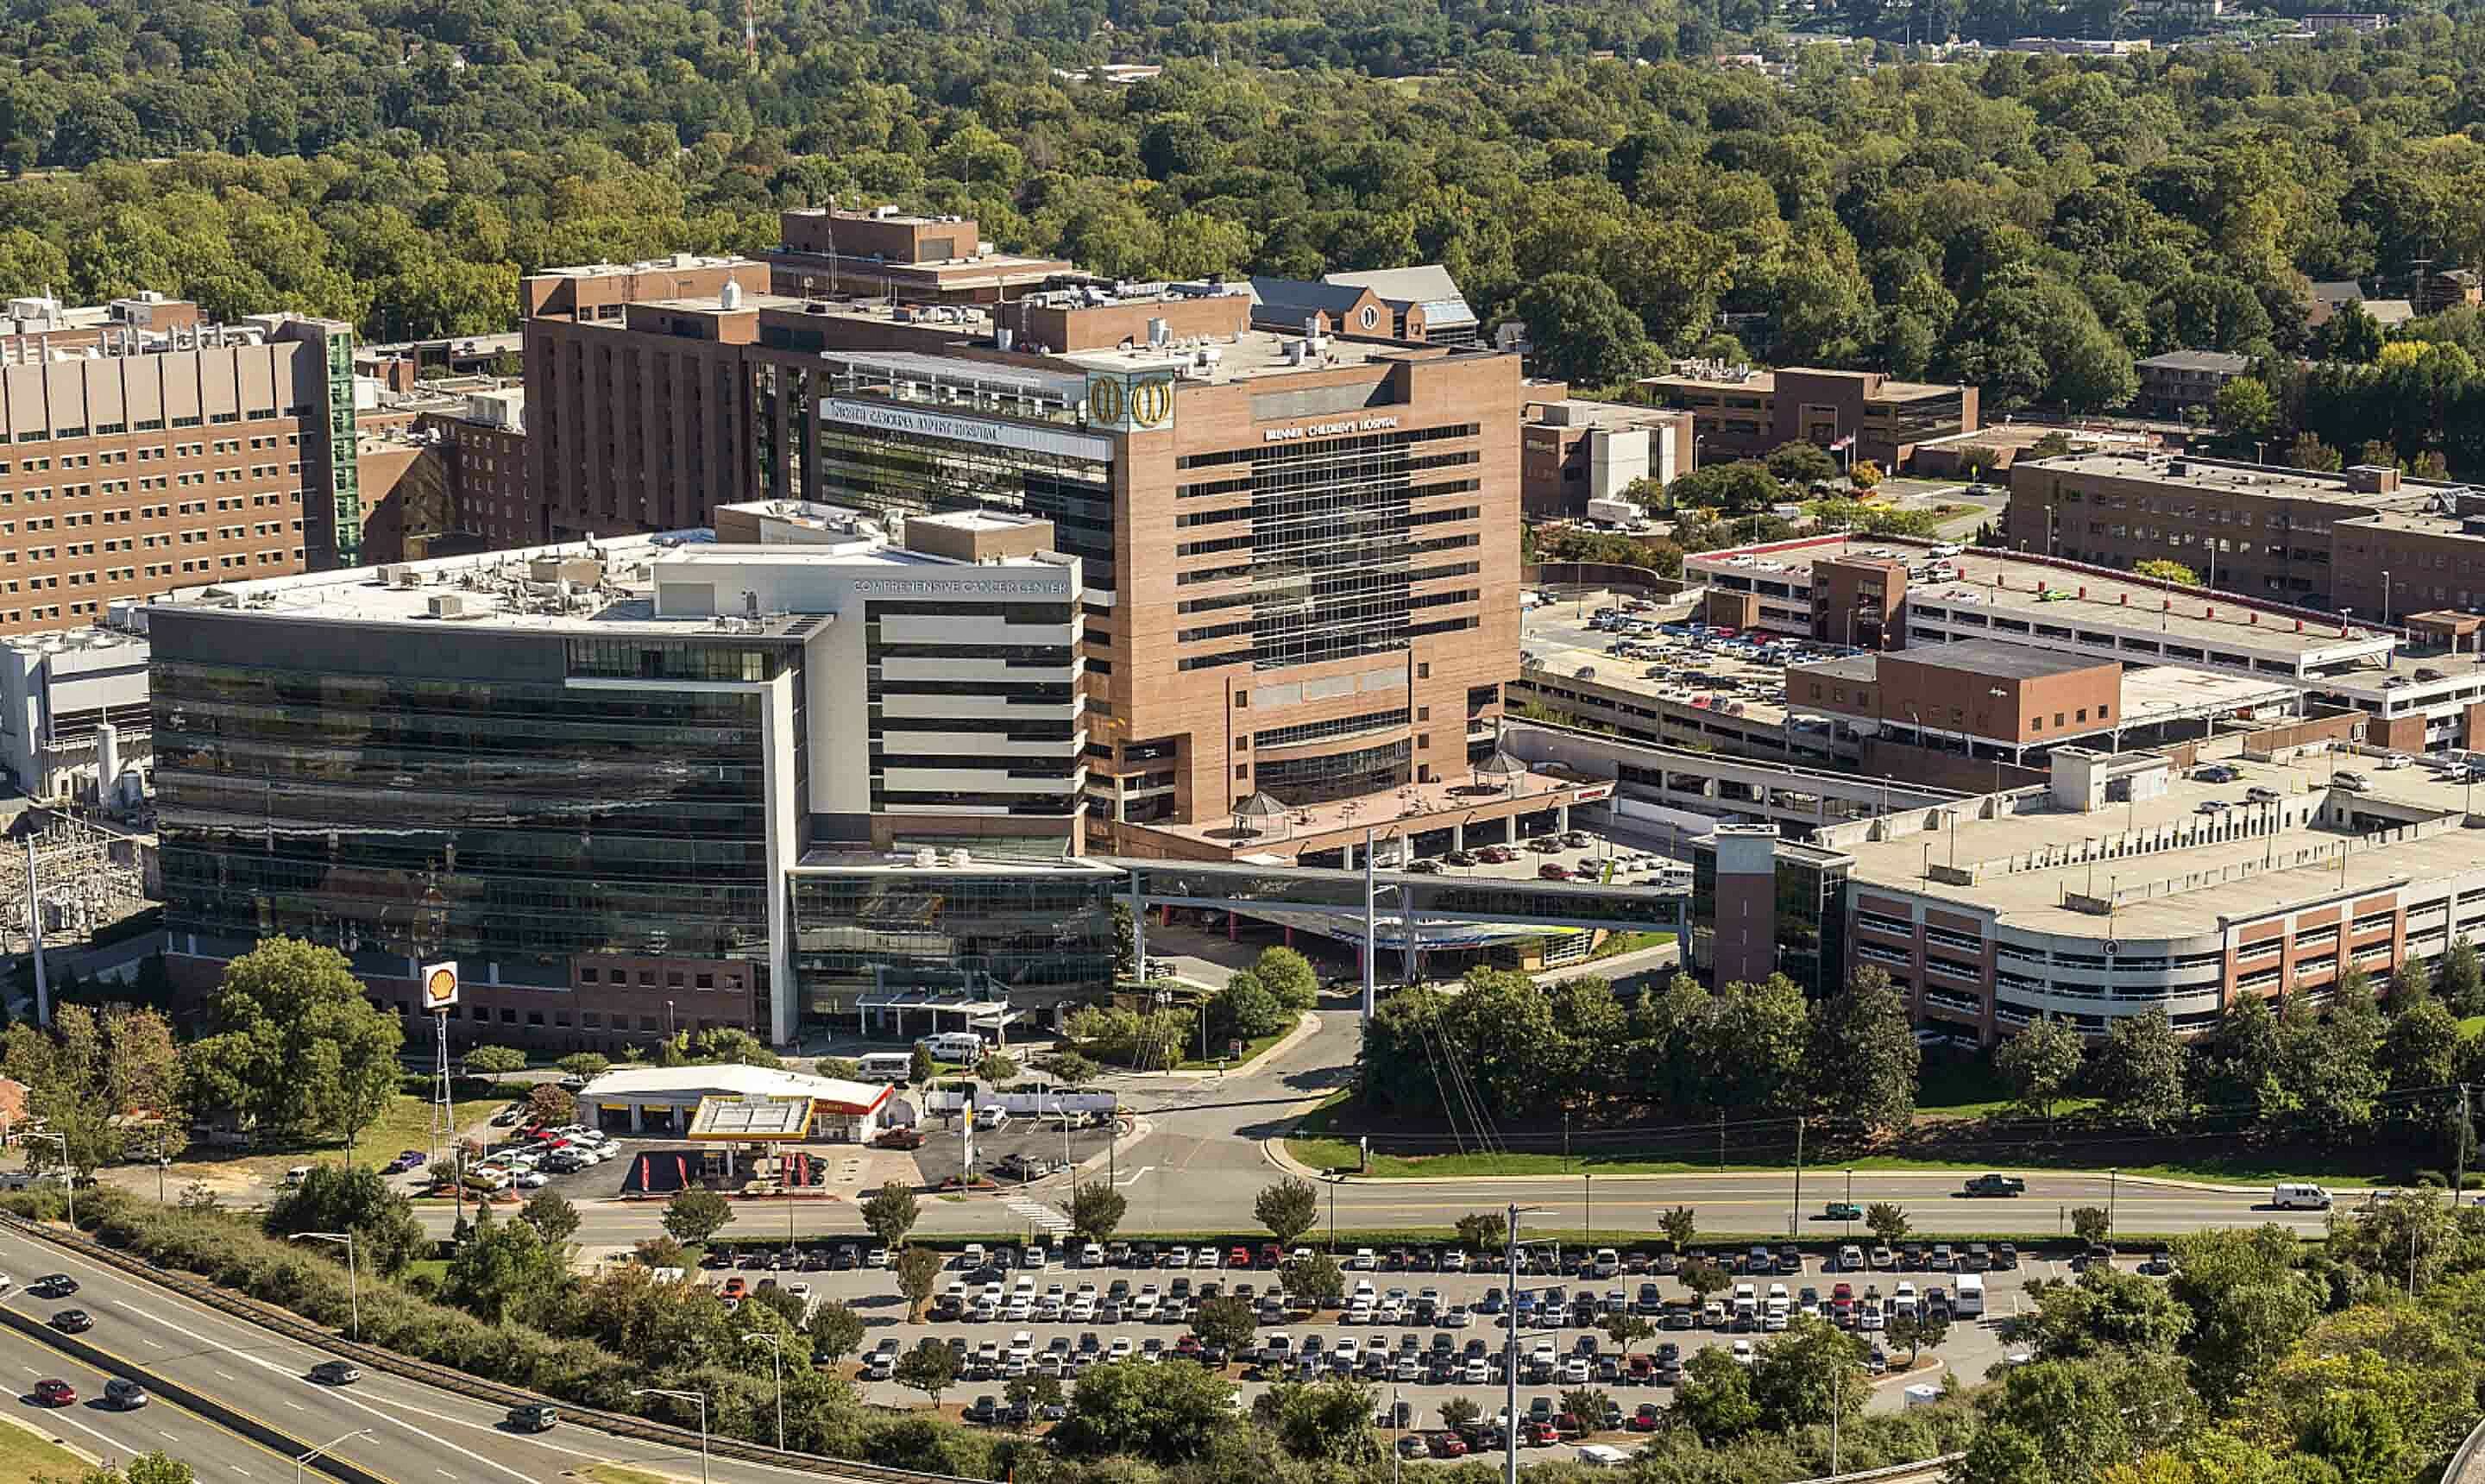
{"type": "Point", "coordinates": [2028, 223]}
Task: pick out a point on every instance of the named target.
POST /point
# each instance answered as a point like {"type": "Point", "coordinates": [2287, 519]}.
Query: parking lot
{"type": "Point", "coordinates": [1441, 1332]}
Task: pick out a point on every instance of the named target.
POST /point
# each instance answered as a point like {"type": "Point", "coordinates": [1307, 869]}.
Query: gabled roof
{"type": "Point", "coordinates": [2343, 290]}
{"type": "Point", "coordinates": [1283, 295]}
{"type": "Point", "coordinates": [1428, 283]}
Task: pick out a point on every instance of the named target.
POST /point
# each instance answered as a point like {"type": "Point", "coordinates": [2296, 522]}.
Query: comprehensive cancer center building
{"type": "Point", "coordinates": [653, 785]}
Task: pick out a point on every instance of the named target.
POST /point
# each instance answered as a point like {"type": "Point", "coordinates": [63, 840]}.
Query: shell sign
{"type": "Point", "coordinates": [439, 986]}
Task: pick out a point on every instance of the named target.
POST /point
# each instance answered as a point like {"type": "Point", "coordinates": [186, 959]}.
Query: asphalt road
{"type": "Point", "coordinates": [115, 1436]}
{"type": "Point", "coordinates": [416, 1432]}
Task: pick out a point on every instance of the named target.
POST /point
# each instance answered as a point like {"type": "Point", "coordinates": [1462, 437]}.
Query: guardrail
{"type": "Point", "coordinates": [266, 1434]}
{"type": "Point", "coordinates": [620, 1425]}
{"type": "Point", "coordinates": [1929, 1471]}
{"type": "Point", "coordinates": [2468, 1464]}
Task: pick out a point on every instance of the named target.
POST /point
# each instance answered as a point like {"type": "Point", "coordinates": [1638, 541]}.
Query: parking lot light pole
{"type": "Point", "coordinates": [353, 1281]}
{"type": "Point", "coordinates": [700, 1397]}
{"type": "Point", "coordinates": [776, 1349]}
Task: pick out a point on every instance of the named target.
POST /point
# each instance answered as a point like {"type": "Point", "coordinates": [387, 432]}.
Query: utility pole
{"type": "Point", "coordinates": [1794, 1217]}
{"type": "Point", "coordinates": [2459, 1166]}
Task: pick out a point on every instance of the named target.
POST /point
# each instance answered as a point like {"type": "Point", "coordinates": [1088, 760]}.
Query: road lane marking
{"type": "Point", "coordinates": [167, 1436]}
{"type": "Point", "coordinates": [333, 1393]}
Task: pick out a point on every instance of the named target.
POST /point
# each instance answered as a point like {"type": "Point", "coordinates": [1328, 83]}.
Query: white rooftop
{"type": "Point", "coordinates": [690, 1084]}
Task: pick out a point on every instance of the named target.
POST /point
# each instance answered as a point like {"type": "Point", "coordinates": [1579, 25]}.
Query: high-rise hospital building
{"type": "Point", "coordinates": [1299, 547]}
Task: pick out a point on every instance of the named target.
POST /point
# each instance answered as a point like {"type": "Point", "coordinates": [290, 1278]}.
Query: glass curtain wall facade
{"type": "Point", "coordinates": [518, 823]}
{"type": "Point", "coordinates": [888, 472]}
{"type": "Point", "coordinates": [1033, 935]}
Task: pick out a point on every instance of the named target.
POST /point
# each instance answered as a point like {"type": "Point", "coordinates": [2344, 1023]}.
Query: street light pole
{"type": "Point", "coordinates": [321, 1450]}
{"type": "Point", "coordinates": [353, 1281]}
{"type": "Point", "coordinates": [777, 1349]}
{"type": "Point", "coordinates": [699, 1397]}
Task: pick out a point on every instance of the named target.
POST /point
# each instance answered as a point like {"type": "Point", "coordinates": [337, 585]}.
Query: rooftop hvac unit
{"type": "Point", "coordinates": [926, 857]}
{"type": "Point", "coordinates": [454, 605]}
{"type": "Point", "coordinates": [958, 859]}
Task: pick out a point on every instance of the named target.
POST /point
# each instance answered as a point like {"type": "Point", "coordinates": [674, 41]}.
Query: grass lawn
{"type": "Point", "coordinates": [1250, 1048]}
{"type": "Point", "coordinates": [25, 1456]}
{"type": "Point", "coordinates": [1617, 943]}
{"type": "Point", "coordinates": [407, 1125]}
{"type": "Point", "coordinates": [618, 1473]}
{"type": "Point", "coordinates": [1312, 1145]}
{"type": "Point", "coordinates": [1958, 1086]}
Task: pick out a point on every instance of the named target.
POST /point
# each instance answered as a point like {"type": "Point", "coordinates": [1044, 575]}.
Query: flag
{"type": "Point", "coordinates": [1842, 444]}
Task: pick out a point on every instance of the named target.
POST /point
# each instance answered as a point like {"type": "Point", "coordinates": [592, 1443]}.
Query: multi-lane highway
{"type": "Point", "coordinates": [404, 1430]}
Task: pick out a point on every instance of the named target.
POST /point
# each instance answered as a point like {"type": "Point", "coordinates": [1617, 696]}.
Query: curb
{"type": "Point", "coordinates": [1273, 1149]}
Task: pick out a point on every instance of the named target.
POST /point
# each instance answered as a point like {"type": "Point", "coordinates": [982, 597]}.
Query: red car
{"type": "Point", "coordinates": [1449, 1446]}
{"type": "Point", "coordinates": [1553, 872]}
{"type": "Point", "coordinates": [1646, 1418]}
{"type": "Point", "coordinates": [900, 1139]}
{"type": "Point", "coordinates": [1239, 1258]}
{"type": "Point", "coordinates": [734, 1288]}
{"type": "Point", "coordinates": [1537, 1435]}
{"type": "Point", "coordinates": [1270, 1258]}
{"type": "Point", "coordinates": [55, 1394]}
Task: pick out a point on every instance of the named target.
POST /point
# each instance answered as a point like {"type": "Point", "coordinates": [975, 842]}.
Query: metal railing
{"type": "Point", "coordinates": [285, 1322]}
{"type": "Point", "coordinates": [1929, 1471]}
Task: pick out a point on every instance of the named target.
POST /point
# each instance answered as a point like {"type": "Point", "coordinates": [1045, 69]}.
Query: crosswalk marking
{"type": "Point", "coordinates": [1038, 1213]}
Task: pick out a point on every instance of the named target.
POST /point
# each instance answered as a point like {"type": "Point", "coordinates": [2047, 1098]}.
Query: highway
{"type": "Point", "coordinates": [415, 1433]}
{"type": "Point", "coordinates": [115, 1435]}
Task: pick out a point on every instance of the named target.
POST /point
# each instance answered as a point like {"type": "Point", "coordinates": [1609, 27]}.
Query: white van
{"type": "Point", "coordinates": [2299, 1198]}
{"type": "Point", "coordinates": [1969, 1301]}
{"type": "Point", "coordinates": [886, 1066]}
{"type": "Point", "coordinates": [955, 1046]}
{"type": "Point", "coordinates": [992, 1116]}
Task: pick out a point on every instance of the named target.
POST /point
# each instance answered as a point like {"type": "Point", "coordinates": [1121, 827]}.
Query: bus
{"type": "Point", "coordinates": [889, 1066]}
{"type": "Point", "coordinates": [1971, 1295]}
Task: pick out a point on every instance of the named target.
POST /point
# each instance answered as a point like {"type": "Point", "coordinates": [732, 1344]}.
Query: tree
{"type": "Point", "coordinates": [2309, 452]}
{"type": "Point", "coordinates": [506, 1271]}
{"type": "Point", "coordinates": [2463, 978]}
{"type": "Point", "coordinates": [2040, 1062]}
{"type": "Point", "coordinates": [1805, 1373]}
{"type": "Point", "coordinates": [2090, 1223]}
{"type": "Point", "coordinates": [153, 1468]}
{"type": "Point", "coordinates": [1163, 1414]}
{"type": "Point", "coordinates": [1244, 1009]}
{"type": "Point", "coordinates": [890, 1213]}
{"type": "Point", "coordinates": [835, 1332]}
{"type": "Point", "coordinates": [2164, 570]}
{"type": "Point", "coordinates": [917, 1269]}
{"type": "Point", "coordinates": [1864, 474]}
{"type": "Point", "coordinates": [1581, 333]}
{"type": "Point", "coordinates": [929, 1369]}
{"type": "Point", "coordinates": [1319, 1421]}
{"type": "Point", "coordinates": [1034, 1392]}
{"type": "Point", "coordinates": [550, 1105]}
{"type": "Point", "coordinates": [294, 1042]}
{"type": "Point", "coordinates": [1888, 1221]}
{"type": "Point", "coordinates": [1484, 1232]}
{"type": "Point", "coordinates": [1680, 1224]}
{"type": "Point", "coordinates": [2353, 334]}
{"type": "Point", "coordinates": [1800, 464]}
{"type": "Point", "coordinates": [1626, 1329]}
{"type": "Point", "coordinates": [494, 1062]}
{"type": "Point", "coordinates": [696, 1214]}
{"type": "Point", "coordinates": [337, 1198]}
{"type": "Point", "coordinates": [1288, 976]}
{"type": "Point", "coordinates": [1737, 489]}
{"type": "Point", "coordinates": [2105, 1312]}
{"type": "Point", "coordinates": [1864, 1055]}
{"type": "Point", "coordinates": [1316, 1280]}
{"type": "Point", "coordinates": [585, 1066]}
{"type": "Point", "coordinates": [1703, 1277]}
{"type": "Point", "coordinates": [997, 1066]}
{"type": "Point", "coordinates": [1096, 1210]}
{"type": "Point", "coordinates": [2411, 983]}
{"type": "Point", "coordinates": [1714, 1398]}
{"type": "Point", "coordinates": [1227, 1322]}
{"type": "Point", "coordinates": [921, 1070]}
{"type": "Point", "coordinates": [1288, 1209]}
{"type": "Point", "coordinates": [553, 1217]}
{"type": "Point", "coordinates": [2139, 1070]}
{"type": "Point", "coordinates": [2245, 409]}
{"type": "Point", "coordinates": [1069, 1068]}
{"type": "Point", "coordinates": [1460, 1413]}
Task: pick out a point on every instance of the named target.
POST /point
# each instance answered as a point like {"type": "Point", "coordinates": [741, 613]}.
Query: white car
{"type": "Point", "coordinates": [879, 1257]}
{"type": "Point", "coordinates": [1349, 1350]}
{"type": "Point", "coordinates": [532, 1179]}
{"type": "Point", "coordinates": [1120, 1349]}
{"type": "Point", "coordinates": [1597, 1455]}
{"type": "Point", "coordinates": [1743, 1353]}
{"type": "Point", "coordinates": [1082, 1309]}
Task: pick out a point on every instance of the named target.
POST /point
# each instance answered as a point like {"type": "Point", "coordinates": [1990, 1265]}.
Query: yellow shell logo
{"type": "Point", "coordinates": [440, 986]}
{"type": "Point", "coordinates": [1105, 402]}
{"type": "Point", "coordinates": [1151, 401]}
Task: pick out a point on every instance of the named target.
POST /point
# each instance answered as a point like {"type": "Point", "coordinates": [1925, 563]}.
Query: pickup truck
{"type": "Point", "coordinates": [1997, 1185]}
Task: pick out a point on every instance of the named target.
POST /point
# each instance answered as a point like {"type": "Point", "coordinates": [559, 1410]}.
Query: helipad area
{"type": "Point", "coordinates": [734, 1104]}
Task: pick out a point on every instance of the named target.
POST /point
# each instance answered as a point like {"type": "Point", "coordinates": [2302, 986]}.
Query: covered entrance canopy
{"type": "Point", "coordinates": [921, 1011]}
